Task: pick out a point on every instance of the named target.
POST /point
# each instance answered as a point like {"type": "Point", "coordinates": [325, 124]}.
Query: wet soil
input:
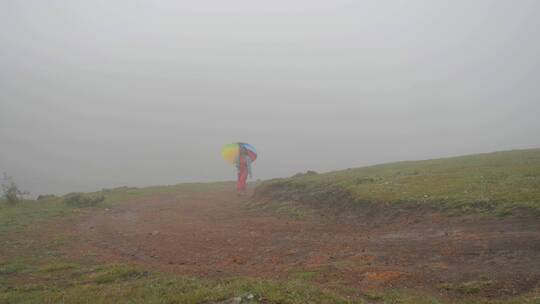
{"type": "Point", "coordinates": [219, 235]}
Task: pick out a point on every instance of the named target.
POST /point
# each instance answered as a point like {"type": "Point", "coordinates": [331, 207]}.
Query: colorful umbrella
{"type": "Point", "coordinates": [230, 152]}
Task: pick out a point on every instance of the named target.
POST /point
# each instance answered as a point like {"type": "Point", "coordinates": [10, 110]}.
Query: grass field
{"type": "Point", "coordinates": [31, 213]}
{"type": "Point", "coordinates": [499, 183]}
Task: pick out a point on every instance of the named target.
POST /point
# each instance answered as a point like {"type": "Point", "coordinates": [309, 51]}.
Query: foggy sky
{"type": "Point", "coordinates": [107, 93]}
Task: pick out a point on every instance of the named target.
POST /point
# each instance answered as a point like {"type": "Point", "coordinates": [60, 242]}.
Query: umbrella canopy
{"type": "Point", "coordinates": [230, 152]}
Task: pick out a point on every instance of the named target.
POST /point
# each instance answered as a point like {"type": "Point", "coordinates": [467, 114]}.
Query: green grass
{"type": "Point", "coordinates": [409, 296]}
{"type": "Point", "coordinates": [467, 288]}
{"type": "Point", "coordinates": [12, 268]}
{"type": "Point", "coordinates": [118, 283]}
{"type": "Point", "coordinates": [500, 183]}
{"type": "Point", "coordinates": [303, 276]}
{"type": "Point", "coordinates": [30, 214]}
{"type": "Point", "coordinates": [58, 266]}
{"type": "Point", "coordinates": [402, 297]}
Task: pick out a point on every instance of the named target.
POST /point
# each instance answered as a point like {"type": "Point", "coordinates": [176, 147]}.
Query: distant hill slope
{"type": "Point", "coordinates": [501, 182]}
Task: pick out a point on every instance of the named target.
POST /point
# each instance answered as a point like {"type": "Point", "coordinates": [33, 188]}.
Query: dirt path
{"type": "Point", "coordinates": [215, 235]}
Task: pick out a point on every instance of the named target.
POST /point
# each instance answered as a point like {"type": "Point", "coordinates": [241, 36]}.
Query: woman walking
{"type": "Point", "coordinates": [243, 165]}
{"type": "Point", "coordinates": [242, 156]}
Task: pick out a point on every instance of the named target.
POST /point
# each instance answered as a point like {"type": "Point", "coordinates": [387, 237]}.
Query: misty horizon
{"type": "Point", "coordinates": [98, 95]}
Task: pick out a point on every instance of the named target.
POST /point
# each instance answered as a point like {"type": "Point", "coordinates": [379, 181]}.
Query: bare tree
{"type": "Point", "coordinates": [11, 190]}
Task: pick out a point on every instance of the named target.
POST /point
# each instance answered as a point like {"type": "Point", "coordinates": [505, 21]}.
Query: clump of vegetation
{"type": "Point", "coordinates": [59, 266]}
{"type": "Point", "coordinates": [11, 192]}
{"type": "Point", "coordinates": [307, 173]}
{"type": "Point", "coordinates": [43, 197]}
{"type": "Point", "coordinates": [467, 288]}
{"type": "Point", "coordinates": [283, 208]}
{"type": "Point", "coordinates": [83, 199]}
{"type": "Point", "coordinates": [11, 268]}
{"type": "Point", "coordinates": [119, 189]}
{"type": "Point", "coordinates": [117, 273]}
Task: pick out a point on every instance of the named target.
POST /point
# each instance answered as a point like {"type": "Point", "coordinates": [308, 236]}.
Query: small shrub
{"type": "Point", "coordinates": [364, 180]}
{"type": "Point", "coordinates": [308, 173]}
{"type": "Point", "coordinates": [83, 200]}
{"type": "Point", "coordinates": [117, 189]}
{"type": "Point", "coordinates": [43, 197]}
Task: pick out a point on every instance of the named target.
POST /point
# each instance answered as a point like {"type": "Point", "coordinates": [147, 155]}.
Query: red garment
{"type": "Point", "coordinates": [242, 175]}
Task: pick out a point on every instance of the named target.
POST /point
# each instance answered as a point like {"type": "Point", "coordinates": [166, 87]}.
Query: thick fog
{"type": "Point", "coordinates": [107, 93]}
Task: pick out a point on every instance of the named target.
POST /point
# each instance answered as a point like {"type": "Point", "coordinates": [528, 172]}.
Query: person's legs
{"type": "Point", "coordinates": [238, 183]}
{"type": "Point", "coordinates": [241, 183]}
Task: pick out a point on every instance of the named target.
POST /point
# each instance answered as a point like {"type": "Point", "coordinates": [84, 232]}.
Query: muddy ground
{"type": "Point", "coordinates": [219, 235]}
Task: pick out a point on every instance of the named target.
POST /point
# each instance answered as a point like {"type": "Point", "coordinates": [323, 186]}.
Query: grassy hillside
{"type": "Point", "coordinates": [501, 182]}
{"type": "Point", "coordinates": [32, 213]}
